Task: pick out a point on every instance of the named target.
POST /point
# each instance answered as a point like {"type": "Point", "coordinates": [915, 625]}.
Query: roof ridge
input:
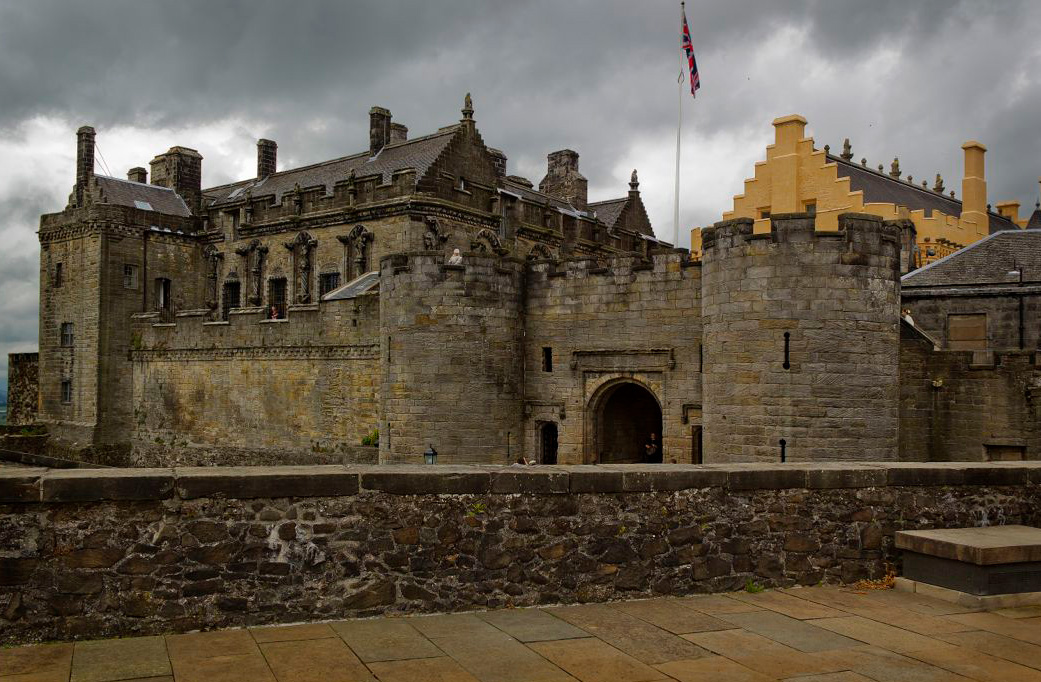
{"type": "Point", "coordinates": [963, 250]}
{"type": "Point", "coordinates": [890, 178]}
{"type": "Point", "coordinates": [132, 182]}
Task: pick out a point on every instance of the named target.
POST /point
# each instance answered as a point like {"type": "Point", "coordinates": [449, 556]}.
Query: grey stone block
{"type": "Point", "coordinates": [766, 479]}
{"type": "Point", "coordinates": [847, 477]}
{"type": "Point", "coordinates": [914, 474]}
{"type": "Point", "coordinates": [596, 479]}
{"type": "Point", "coordinates": [88, 485]}
{"type": "Point", "coordinates": [540, 480]}
{"type": "Point", "coordinates": [250, 482]}
{"type": "Point", "coordinates": [427, 480]}
{"type": "Point", "coordinates": [657, 477]}
{"type": "Point", "coordinates": [19, 487]}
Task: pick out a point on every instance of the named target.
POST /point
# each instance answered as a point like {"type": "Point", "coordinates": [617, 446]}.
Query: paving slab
{"type": "Point", "coordinates": [711, 669]}
{"type": "Point", "coordinates": [672, 615]}
{"type": "Point", "coordinates": [793, 607]}
{"type": "Point", "coordinates": [998, 646]}
{"type": "Point", "coordinates": [199, 645]}
{"type": "Point", "coordinates": [844, 676]}
{"type": "Point", "coordinates": [441, 669]}
{"type": "Point", "coordinates": [1020, 612]}
{"type": "Point", "coordinates": [452, 625]}
{"type": "Point", "coordinates": [791, 632]}
{"type": "Point", "coordinates": [975, 664]}
{"type": "Point", "coordinates": [37, 659]}
{"type": "Point", "coordinates": [763, 655]}
{"type": "Point", "coordinates": [918, 603]}
{"type": "Point", "coordinates": [286, 633]}
{"type": "Point", "coordinates": [715, 604]}
{"type": "Point", "coordinates": [887, 666]}
{"type": "Point", "coordinates": [531, 625]}
{"type": "Point", "coordinates": [1024, 630]}
{"type": "Point", "coordinates": [876, 633]}
{"type": "Point", "coordinates": [591, 660]}
{"type": "Point", "coordinates": [120, 659]}
{"type": "Point", "coordinates": [497, 657]}
{"type": "Point", "coordinates": [635, 637]}
{"type": "Point", "coordinates": [981, 546]}
{"type": "Point", "coordinates": [314, 660]}
{"type": "Point", "coordinates": [239, 668]}
{"type": "Point", "coordinates": [385, 639]}
{"type": "Point", "coordinates": [857, 603]}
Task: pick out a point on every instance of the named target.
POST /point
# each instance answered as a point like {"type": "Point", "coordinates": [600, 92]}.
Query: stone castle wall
{"type": "Point", "coordinates": [451, 357]}
{"type": "Point", "coordinates": [102, 553]}
{"type": "Point", "coordinates": [23, 388]}
{"type": "Point", "coordinates": [623, 321]}
{"type": "Point", "coordinates": [801, 340]}
{"type": "Point", "coordinates": [256, 391]}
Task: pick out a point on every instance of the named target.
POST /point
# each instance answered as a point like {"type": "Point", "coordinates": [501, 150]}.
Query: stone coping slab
{"type": "Point", "coordinates": [989, 546]}
{"type": "Point", "coordinates": [86, 485]}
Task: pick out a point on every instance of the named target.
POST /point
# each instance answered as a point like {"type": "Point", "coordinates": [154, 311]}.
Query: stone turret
{"type": "Point", "coordinates": [180, 169]}
{"type": "Point", "coordinates": [563, 179]}
{"type": "Point", "coordinates": [84, 163]}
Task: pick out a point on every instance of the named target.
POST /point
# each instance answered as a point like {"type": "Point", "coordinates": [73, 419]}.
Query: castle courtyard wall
{"type": "Point", "coordinates": [23, 388]}
{"type": "Point", "coordinates": [103, 553]}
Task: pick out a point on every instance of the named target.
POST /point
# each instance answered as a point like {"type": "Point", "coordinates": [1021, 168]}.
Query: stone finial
{"type": "Point", "coordinates": [827, 149]}
{"type": "Point", "coordinates": [894, 168]}
{"type": "Point", "coordinates": [910, 179]}
{"type": "Point", "coordinates": [925, 184]}
{"type": "Point", "coordinates": [847, 150]}
{"type": "Point", "coordinates": [880, 168]}
{"type": "Point", "coordinates": [634, 182]}
{"type": "Point", "coordinates": [938, 185]}
{"type": "Point", "coordinates": [468, 108]}
{"type": "Point", "coordinates": [863, 161]}
{"type": "Point", "coordinates": [952, 193]}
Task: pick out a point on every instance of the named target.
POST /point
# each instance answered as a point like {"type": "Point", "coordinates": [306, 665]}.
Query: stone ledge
{"type": "Point", "coordinates": [85, 485]}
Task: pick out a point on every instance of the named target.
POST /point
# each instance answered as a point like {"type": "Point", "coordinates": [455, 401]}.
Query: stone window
{"type": "Point", "coordinates": [547, 359]}
{"type": "Point", "coordinates": [230, 299]}
{"type": "Point", "coordinates": [163, 301]}
{"type": "Point", "coordinates": [67, 336]}
{"type": "Point", "coordinates": [967, 332]}
{"type": "Point", "coordinates": [277, 297]}
{"type": "Point", "coordinates": [59, 276]}
{"type": "Point", "coordinates": [811, 207]}
{"type": "Point", "coordinates": [129, 276]}
{"type": "Point", "coordinates": [327, 282]}
{"type": "Point", "coordinates": [66, 391]}
{"type": "Point", "coordinates": [764, 212]}
{"type": "Point", "coordinates": [1005, 453]}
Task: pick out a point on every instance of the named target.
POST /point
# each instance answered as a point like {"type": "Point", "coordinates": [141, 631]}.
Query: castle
{"type": "Point", "coordinates": [294, 316]}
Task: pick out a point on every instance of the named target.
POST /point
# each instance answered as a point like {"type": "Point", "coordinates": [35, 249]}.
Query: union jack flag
{"type": "Point", "coordinates": [688, 48]}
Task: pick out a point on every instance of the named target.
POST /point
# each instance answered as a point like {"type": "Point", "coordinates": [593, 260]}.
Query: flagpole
{"type": "Point", "coordinates": [679, 125]}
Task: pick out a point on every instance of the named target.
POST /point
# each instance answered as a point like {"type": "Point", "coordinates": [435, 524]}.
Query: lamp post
{"type": "Point", "coordinates": [430, 456]}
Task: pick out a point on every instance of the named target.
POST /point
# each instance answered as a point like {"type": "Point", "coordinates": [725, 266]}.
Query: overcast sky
{"type": "Point", "coordinates": [907, 78]}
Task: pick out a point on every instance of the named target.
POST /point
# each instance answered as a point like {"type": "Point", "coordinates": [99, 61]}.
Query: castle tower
{"type": "Point", "coordinates": [801, 339]}
{"type": "Point", "coordinates": [451, 347]}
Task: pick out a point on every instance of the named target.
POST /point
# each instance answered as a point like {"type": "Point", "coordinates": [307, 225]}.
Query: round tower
{"type": "Point", "coordinates": [801, 340]}
{"type": "Point", "coordinates": [452, 358]}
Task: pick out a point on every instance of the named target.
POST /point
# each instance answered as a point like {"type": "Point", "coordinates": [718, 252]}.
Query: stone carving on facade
{"type": "Point", "coordinates": [253, 256]}
{"type": "Point", "coordinates": [486, 241]}
{"type": "Point", "coordinates": [298, 199]}
{"type": "Point", "coordinates": [434, 237]}
{"type": "Point", "coordinates": [248, 212]}
{"type": "Point", "coordinates": [213, 258]}
{"type": "Point", "coordinates": [302, 249]}
{"type": "Point", "coordinates": [540, 252]}
{"type": "Point", "coordinates": [357, 246]}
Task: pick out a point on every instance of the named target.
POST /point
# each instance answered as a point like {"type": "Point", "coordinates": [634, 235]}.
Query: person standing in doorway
{"type": "Point", "coordinates": [652, 449]}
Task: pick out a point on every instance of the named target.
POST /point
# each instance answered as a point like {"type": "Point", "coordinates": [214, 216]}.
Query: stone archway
{"type": "Point", "coordinates": [625, 413]}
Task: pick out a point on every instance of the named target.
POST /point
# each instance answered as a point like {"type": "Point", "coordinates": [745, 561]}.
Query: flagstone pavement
{"type": "Point", "coordinates": [817, 634]}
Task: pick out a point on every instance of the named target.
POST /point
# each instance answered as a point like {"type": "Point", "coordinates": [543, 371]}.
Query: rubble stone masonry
{"type": "Point", "coordinates": [23, 388]}
{"type": "Point", "coordinates": [109, 552]}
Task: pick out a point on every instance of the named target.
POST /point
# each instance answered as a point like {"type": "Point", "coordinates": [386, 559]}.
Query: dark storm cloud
{"type": "Point", "coordinates": [910, 79]}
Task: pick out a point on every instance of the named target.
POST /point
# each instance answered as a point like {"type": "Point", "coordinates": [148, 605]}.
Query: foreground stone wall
{"type": "Point", "coordinates": [23, 388]}
{"type": "Point", "coordinates": [118, 552]}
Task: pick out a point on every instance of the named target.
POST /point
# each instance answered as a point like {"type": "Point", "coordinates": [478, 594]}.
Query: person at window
{"type": "Point", "coordinates": [456, 259]}
{"type": "Point", "coordinates": [274, 312]}
{"type": "Point", "coordinates": [652, 449]}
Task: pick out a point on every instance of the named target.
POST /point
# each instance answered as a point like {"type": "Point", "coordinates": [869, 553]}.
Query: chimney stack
{"type": "Point", "coordinates": [379, 129]}
{"type": "Point", "coordinates": [267, 158]}
{"type": "Point", "coordinates": [499, 161]}
{"type": "Point", "coordinates": [84, 162]}
{"type": "Point", "coordinates": [180, 169]}
{"type": "Point", "coordinates": [138, 174]}
{"type": "Point", "coordinates": [974, 188]}
{"type": "Point", "coordinates": [1008, 209]}
{"type": "Point", "coordinates": [398, 133]}
{"type": "Point", "coordinates": [563, 179]}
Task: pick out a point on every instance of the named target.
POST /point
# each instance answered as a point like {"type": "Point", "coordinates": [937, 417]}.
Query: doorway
{"type": "Point", "coordinates": [626, 414]}
{"type": "Point", "coordinates": [548, 438]}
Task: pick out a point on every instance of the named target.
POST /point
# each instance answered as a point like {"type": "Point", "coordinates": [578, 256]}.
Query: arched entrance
{"type": "Point", "coordinates": [548, 438]}
{"type": "Point", "coordinates": [625, 415]}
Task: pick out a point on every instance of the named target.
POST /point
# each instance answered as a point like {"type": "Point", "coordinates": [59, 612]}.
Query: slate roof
{"type": "Point", "coordinates": [534, 195]}
{"type": "Point", "coordinates": [881, 188]}
{"type": "Point", "coordinates": [609, 211]}
{"type": "Point", "coordinates": [354, 288]}
{"type": "Point", "coordinates": [987, 261]}
{"type": "Point", "coordinates": [137, 195]}
{"type": "Point", "coordinates": [1035, 219]}
{"type": "Point", "coordinates": [418, 153]}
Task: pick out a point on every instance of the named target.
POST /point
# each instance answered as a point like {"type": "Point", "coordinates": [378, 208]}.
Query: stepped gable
{"type": "Point", "coordinates": [609, 211]}
{"type": "Point", "coordinates": [120, 192]}
{"type": "Point", "coordinates": [879, 188]}
{"type": "Point", "coordinates": [987, 261]}
{"type": "Point", "coordinates": [419, 153]}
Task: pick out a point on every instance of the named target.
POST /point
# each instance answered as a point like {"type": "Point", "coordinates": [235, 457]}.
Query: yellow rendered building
{"type": "Point", "coordinates": [796, 177]}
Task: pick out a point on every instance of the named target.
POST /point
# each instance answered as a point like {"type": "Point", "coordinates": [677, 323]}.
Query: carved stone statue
{"type": "Point", "coordinates": [253, 255]}
{"type": "Point", "coordinates": [847, 150]}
